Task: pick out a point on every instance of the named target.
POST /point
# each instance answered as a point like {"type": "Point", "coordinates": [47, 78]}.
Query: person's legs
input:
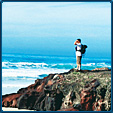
{"type": "Point", "coordinates": [79, 66]}
{"type": "Point", "coordinates": [79, 62]}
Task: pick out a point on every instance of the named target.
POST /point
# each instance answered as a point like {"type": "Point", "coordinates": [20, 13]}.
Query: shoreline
{"type": "Point", "coordinates": [52, 93]}
{"type": "Point", "coordinates": [14, 109]}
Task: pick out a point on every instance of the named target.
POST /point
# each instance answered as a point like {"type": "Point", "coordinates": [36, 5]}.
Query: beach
{"type": "Point", "coordinates": [14, 109]}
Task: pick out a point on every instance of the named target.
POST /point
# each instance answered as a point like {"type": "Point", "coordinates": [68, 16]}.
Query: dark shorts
{"type": "Point", "coordinates": [78, 59]}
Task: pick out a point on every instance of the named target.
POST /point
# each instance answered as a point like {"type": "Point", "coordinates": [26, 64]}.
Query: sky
{"type": "Point", "coordinates": [50, 28]}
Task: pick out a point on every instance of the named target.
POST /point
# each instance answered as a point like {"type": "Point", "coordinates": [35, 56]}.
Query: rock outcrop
{"type": "Point", "coordinates": [70, 91]}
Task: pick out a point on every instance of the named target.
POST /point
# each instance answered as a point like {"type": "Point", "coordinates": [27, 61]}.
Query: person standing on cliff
{"type": "Point", "coordinates": [78, 53]}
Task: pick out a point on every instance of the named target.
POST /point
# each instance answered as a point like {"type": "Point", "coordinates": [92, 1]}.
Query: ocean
{"type": "Point", "coordinates": [22, 70]}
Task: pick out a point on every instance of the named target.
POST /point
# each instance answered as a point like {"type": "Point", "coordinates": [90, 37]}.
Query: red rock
{"type": "Point", "coordinates": [5, 104]}
{"type": "Point", "coordinates": [98, 106]}
{"type": "Point", "coordinates": [88, 96]}
{"type": "Point", "coordinates": [31, 87]}
{"type": "Point", "coordinates": [40, 87]}
{"type": "Point", "coordinates": [69, 109]}
{"type": "Point", "coordinates": [68, 100]}
{"type": "Point", "coordinates": [84, 71]}
{"type": "Point", "coordinates": [45, 78]}
{"type": "Point", "coordinates": [100, 69]}
{"type": "Point", "coordinates": [14, 104]}
{"type": "Point", "coordinates": [8, 100]}
{"type": "Point", "coordinates": [50, 82]}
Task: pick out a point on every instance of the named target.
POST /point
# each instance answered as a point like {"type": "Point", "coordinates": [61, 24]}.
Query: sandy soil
{"type": "Point", "coordinates": [14, 109]}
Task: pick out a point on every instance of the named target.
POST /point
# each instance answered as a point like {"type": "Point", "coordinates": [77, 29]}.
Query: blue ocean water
{"type": "Point", "coordinates": [22, 70]}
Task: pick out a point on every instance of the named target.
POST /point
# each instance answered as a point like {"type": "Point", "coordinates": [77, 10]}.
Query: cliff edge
{"type": "Point", "coordinates": [87, 90]}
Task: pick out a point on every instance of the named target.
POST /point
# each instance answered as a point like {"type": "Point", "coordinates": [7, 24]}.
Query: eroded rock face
{"type": "Point", "coordinates": [40, 88]}
{"type": "Point", "coordinates": [69, 109]}
{"type": "Point", "coordinates": [68, 100]}
{"type": "Point", "coordinates": [27, 100]}
{"type": "Point", "coordinates": [98, 69]}
{"type": "Point", "coordinates": [60, 92]}
{"type": "Point", "coordinates": [99, 105]}
{"type": "Point", "coordinates": [88, 95]}
{"type": "Point", "coordinates": [41, 96]}
{"type": "Point", "coordinates": [10, 100]}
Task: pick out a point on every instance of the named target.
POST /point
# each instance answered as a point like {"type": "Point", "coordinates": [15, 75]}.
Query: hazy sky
{"type": "Point", "coordinates": [50, 28]}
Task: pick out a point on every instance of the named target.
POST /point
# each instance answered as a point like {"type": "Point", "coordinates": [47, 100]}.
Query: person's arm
{"type": "Point", "coordinates": [75, 43]}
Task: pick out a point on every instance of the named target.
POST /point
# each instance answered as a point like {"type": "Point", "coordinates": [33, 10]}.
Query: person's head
{"type": "Point", "coordinates": [79, 40]}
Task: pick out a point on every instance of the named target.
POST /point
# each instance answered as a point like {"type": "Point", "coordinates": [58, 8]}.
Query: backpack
{"type": "Point", "coordinates": [83, 49]}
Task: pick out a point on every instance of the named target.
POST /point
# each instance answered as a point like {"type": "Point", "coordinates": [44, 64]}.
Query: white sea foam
{"type": "Point", "coordinates": [14, 79]}
{"type": "Point", "coordinates": [30, 65]}
{"type": "Point", "coordinates": [65, 64]}
{"type": "Point", "coordinates": [4, 64]}
{"type": "Point", "coordinates": [41, 68]}
{"type": "Point", "coordinates": [88, 64]}
{"type": "Point", "coordinates": [13, 88]}
{"type": "Point", "coordinates": [104, 64]}
{"type": "Point", "coordinates": [29, 72]}
{"type": "Point", "coordinates": [23, 64]}
{"type": "Point", "coordinates": [15, 85]}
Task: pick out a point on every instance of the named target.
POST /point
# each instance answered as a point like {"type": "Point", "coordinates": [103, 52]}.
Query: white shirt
{"type": "Point", "coordinates": [78, 53]}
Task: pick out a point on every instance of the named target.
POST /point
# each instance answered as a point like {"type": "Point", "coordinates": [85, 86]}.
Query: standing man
{"type": "Point", "coordinates": [78, 53]}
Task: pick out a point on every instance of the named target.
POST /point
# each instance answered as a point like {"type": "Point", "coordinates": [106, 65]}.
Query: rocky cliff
{"type": "Point", "coordinates": [70, 91]}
